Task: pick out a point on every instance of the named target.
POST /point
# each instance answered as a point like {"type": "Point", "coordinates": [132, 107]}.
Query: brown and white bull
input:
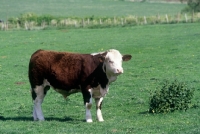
{"type": "Point", "coordinates": [68, 73]}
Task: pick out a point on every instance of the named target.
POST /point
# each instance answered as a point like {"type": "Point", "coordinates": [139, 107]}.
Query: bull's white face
{"type": "Point", "coordinates": [113, 63]}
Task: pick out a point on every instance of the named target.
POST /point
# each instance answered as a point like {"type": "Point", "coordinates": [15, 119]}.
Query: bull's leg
{"type": "Point", "coordinates": [88, 104]}
{"type": "Point", "coordinates": [88, 113]}
{"type": "Point", "coordinates": [98, 108]}
{"type": "Point", "coordinates": [33, 97]}
{"type": "Point", "coordinates": [39, 96]}
{"type": "Point", "coordinates": [35, 118]}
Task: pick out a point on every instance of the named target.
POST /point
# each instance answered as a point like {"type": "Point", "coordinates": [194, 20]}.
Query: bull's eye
{"type": "Point", "coordinates": [111, 62]}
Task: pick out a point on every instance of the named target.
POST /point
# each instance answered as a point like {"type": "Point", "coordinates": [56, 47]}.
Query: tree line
{"type": "Point", "coordinates": [193, 5]}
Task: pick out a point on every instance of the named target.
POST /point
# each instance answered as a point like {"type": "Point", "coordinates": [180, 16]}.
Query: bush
{"type": "Point", "coordinates": [172, 96]}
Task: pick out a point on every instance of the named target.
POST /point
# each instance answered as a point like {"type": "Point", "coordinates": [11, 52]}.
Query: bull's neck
{"type": "Point", "coordinates": [111, 77]}
{"type": "Point", "coordinates": [100, 77]}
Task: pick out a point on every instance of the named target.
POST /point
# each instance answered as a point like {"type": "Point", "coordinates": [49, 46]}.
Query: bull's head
{"type": "Point", "coordinates": [112, 62]}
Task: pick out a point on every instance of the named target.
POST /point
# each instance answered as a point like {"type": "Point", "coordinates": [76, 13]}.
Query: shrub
{"type": "Point", "coordinates": [172, 96]}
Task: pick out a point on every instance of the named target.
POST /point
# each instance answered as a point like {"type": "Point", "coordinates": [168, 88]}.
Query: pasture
{"type": "Point", "coordinates": [158, 52]}
{"type": "Point", "coordinates": [86, 8]}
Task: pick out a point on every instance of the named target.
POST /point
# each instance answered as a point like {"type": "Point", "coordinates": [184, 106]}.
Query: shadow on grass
{"type": "Point", "coordinates": [66, 119]}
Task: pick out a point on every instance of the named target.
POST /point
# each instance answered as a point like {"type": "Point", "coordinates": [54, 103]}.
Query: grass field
{"type": "Point", "coordinates": [159, 52]}
{"type": "Point", "coordinates": [86, 8]}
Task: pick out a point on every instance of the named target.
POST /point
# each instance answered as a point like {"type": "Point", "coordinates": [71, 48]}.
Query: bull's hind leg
{"type": "Point", "coordinates": [98, 108]}
{"type": "Point", "coordinates": [38, 95]}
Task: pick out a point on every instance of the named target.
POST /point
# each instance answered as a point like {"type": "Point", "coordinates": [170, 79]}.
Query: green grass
{"type": "Point", "coordinates": [159, 52]}
{"type": "Point", "coordinates": [84, 8]}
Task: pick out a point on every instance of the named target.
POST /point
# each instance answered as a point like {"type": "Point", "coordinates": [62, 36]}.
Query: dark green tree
{"type": "Point", "coordinates": [193, 5]}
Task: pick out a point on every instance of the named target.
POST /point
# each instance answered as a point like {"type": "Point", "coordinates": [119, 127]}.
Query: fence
{"type": "Point", "coordinates": [99, 22]}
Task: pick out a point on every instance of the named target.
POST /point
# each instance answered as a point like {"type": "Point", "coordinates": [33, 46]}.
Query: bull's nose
{"type": "Point", "coordinates": [119, 71]}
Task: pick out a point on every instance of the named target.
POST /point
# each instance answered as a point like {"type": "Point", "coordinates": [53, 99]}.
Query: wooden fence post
{"type": "Point", "coordinates": [2, 26]}
{"type": "Point", "coordinates": [145, 20]}
{"type": "Point", "coordinates": [136, 20]}
{"type": "Point", "coordinates": [114, 20]}
{"type": "Point", "coordinates": [18, 27]}
{"type": "Point", "coordinates": [65, 22]}
{"type": "Point", "coordinates": [6, 25]}
{"type": "Point", "coordinates": [122, 21]}
{"type": "Point", "coordinates": [158, 18]}
{"type": "Point", "coordinates": [26, 25]}
{"type": "Point", "coordinates": [83, 23]}
{"type": "Point", "coordinates": [100, 22]}
{"type": "Point", "coordinates": [186, 19]}
{"type": "Point", "coordinates": [166, 16]}
{"type": "Point", "coordinates": [43, 24]}
{"type": "Point", "coordinates": [178, 17]}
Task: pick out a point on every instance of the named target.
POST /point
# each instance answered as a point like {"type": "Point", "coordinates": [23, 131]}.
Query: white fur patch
{"type": "Point", "coordinates": [93, 54]}
{"type": "Point", "coordinates": [98, 92]}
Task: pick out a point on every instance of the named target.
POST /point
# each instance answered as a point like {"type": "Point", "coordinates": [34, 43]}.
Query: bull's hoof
{"type": "Point", "coordinates": [101, 120]}
{"type": "Point", "coordinates": [35, 119]}
{"type": "Point", "coordinates": [89, 120]}
{"type": "Point", "coordinates": [38, 119]}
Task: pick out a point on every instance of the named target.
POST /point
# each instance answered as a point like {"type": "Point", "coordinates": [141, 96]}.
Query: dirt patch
{"type": "Point", "coordinates": [3, 57]}
{"type": "Point", "coordinates": [19, 83]}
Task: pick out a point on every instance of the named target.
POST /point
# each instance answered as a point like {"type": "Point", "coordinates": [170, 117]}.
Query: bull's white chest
{"type": "Point", "coordinates": [98, 92]}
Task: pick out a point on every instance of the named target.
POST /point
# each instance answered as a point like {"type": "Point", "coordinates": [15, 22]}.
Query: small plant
{"type": "Point", "coordinates": [172, 96]}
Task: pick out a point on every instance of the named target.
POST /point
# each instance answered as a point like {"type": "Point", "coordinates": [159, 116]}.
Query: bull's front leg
{"type": "Point", "coordinates": [88, 105]}
{"type": "Point", "coordinates": [98, 108]}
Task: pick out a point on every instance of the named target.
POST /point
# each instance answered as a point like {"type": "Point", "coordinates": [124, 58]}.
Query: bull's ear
{"type": "Point", "coordinates": [102, 57]}
{"type": "Point", "coordinates": [126, 57]}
